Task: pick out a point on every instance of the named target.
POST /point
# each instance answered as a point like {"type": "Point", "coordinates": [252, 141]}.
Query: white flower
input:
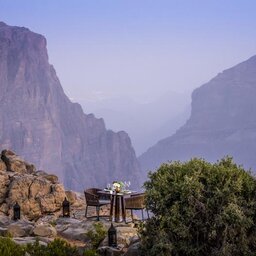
{"type": "Point", "coordinates": [116, 185]}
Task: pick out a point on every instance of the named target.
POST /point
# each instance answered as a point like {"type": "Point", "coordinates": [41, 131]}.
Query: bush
{"type": "Point", "coordinates": [58, 247]}
{"type": "Point", "coordinates": [200, 209]}
{"type": "Point", "coordinates": [9, 248]}
{"type": "Point", "coordinates": [36, 249]}
{"type": "Point", "coordinates": [90, 252]}
{"type": "Point", "coordinates": [97, 234]}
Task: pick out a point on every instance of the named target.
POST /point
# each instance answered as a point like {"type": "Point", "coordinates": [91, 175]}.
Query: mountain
{"type": "Point", "coordinates": [161, 116]}
{"type": "Point", "coordinates": [40, 123]}
{"type": "Point", "coordinates": [222, 122]}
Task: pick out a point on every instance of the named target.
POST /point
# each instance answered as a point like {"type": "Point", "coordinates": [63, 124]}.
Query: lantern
{"type": "Point", "coordinates": [16, 211]}
{"type": "Point", "coordinates": [65, 208]}
{"type": "Point", "coordinates": [112, 237]}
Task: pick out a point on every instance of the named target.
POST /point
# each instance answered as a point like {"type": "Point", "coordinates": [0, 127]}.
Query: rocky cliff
{"type": "Point", "coordinates": [39, 122]}
{"type": "Point", "coordinates": [222, 122]}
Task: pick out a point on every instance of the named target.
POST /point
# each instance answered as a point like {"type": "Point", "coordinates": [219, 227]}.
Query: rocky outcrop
{"type": "Point", "coordinates": [37, 192]}
{"type": "Point", "coordinates": [222, 122]}
{"type": "Point", "coordinates": [39, 122]}
{"type": "Point", "coordinates": [40, 197]}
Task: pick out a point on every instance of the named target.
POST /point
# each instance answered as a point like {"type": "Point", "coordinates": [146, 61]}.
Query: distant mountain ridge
{"type": "Point", "coordinates": [39, 122]}
{"type": "Point", "coordinates": [222, 122]}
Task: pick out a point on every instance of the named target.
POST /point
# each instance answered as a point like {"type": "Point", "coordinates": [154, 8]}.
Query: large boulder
{"type": "Point", "coordinates": [36, 192]}
{"type": "Point", "coordinates": [44, 230]}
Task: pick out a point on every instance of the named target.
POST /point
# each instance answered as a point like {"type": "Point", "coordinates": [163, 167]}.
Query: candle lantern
{"type": "Point", "coordinates": [66, 208]}
{"type": "Point", "coordinates": [112, 237]}
{"type": "Point", "coordinates": [16, 211]}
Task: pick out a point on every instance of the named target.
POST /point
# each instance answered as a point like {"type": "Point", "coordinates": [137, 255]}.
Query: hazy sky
{"type": "Point", "coordinates": [140, 48]}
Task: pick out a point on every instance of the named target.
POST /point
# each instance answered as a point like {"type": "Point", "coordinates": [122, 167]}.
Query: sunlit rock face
{"type": "Point", "coordinates": [222, 122]}
{"type": "Point", "coordinates": [39, 122]}
{"type": "Point", "coordinates": [36, 192]}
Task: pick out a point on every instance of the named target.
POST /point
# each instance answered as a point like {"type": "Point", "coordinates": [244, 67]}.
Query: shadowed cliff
{"type": "Point", "coordinates": [39, 122]}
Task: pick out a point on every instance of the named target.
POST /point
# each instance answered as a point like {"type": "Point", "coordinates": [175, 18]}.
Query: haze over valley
{"type": "Point", "coordinates": [145, 122]}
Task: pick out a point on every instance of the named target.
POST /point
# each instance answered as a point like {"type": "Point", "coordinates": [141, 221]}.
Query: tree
{"type": "Point", "coordinates": [200, 209]}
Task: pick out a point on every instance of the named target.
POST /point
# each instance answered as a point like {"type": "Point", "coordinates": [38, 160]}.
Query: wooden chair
{"type": "Point", "coordinates": [93, 199]}
{"type": "Point", "coordinates": [136, 202]}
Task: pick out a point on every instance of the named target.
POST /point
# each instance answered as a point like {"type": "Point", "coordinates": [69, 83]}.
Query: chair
{"type": "Point", "coordinates": [136, 202]}
{"type": "Point", "coordinates": [93, 199]}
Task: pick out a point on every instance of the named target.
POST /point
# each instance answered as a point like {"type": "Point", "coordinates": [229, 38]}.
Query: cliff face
{"type": "Point", "coordinates": [39, 122]}
{"type": "Point", "coordinates": [222, 122]}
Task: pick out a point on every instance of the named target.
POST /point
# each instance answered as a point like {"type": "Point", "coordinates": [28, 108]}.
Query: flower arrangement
{"type": "Point", "coordinates": [118, 185]}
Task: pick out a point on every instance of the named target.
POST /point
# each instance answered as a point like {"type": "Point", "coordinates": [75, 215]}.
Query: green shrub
{"type": "Point", "coordinates": [9, 248]}
{"type": "Point", "coordinates": [90, 252]}
{"type": "Point", "coordinates": [200, 209]}
{"type": "Point", "coordinates": [60, 247]}
{"type": "Point", "coordinates": [97, 234]}
{"type": "Point", "coordinates": [36, 249]}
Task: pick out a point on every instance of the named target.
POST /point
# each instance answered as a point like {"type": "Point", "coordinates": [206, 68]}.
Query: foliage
{"type": "Point", "coordinates": [53, 223]}
{"type": "Point", "coordinates": [9, 248]}
{"type": "Point", "coordinates": [57, 247]}
{"type": "Point", "coordinates": [36, 249]}
{"type": "Point", "coordinates": [200, 209]}
{"type": "Point", "coordinates": [90, 252]}
{"type": "Point", "coordinates": [97, 234]}
{"type": "Point", "coordinates": [60, 247]}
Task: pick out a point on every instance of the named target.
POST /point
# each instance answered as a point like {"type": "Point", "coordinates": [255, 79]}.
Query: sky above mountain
{"type": "Point", "coordinates": [138, 48]}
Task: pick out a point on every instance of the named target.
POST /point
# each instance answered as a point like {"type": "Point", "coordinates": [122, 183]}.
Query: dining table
{"type": "Point", "coordinates": [117, 203]}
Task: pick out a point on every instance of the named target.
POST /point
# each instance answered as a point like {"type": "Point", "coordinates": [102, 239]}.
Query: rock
{"type": "Point", "coordinates": [68, 221]}
{"type": "Point", "coordinates": [20, 229]}
{"type": "Point", "coordinates": [109, 251]}
{"type": "Point", "coordinates": [72, 229]}
{"type": "Point", "coordinates": [40, 122]}
{"type": "Point", "coordinates": [124, 234]}
{"type": "Point", "coordinates": [4, 220]}
{"type": "Point", "coordinates": [2, 166]}
{"type": "Point", "coordinates": [16, 231]}
{"type": "Point", "coordinates": [49, 219]}
{"type": "Point", "coordinates": [133, 250]}
{"type": "Point", "coordinates": [37, 193]}
{"type": "Point", "coordinates": [4, 208]}
{"type": "Point", "coordinates": [15, 164]}
{"type": "Point", "coordinates": [30, 240]}
{"type": "Point", "coordinates": [74, 233]}
{"type": "Point", "coordinates": [4, 181]}
{"type": "Point", "coordinates": [52, 178]}
{"type": "Point", "coordinates": [44, 230]}
{"type": "Point", "coordinates": [134, 239]}
{"type": "Point", "coordinates": [72, 197]}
